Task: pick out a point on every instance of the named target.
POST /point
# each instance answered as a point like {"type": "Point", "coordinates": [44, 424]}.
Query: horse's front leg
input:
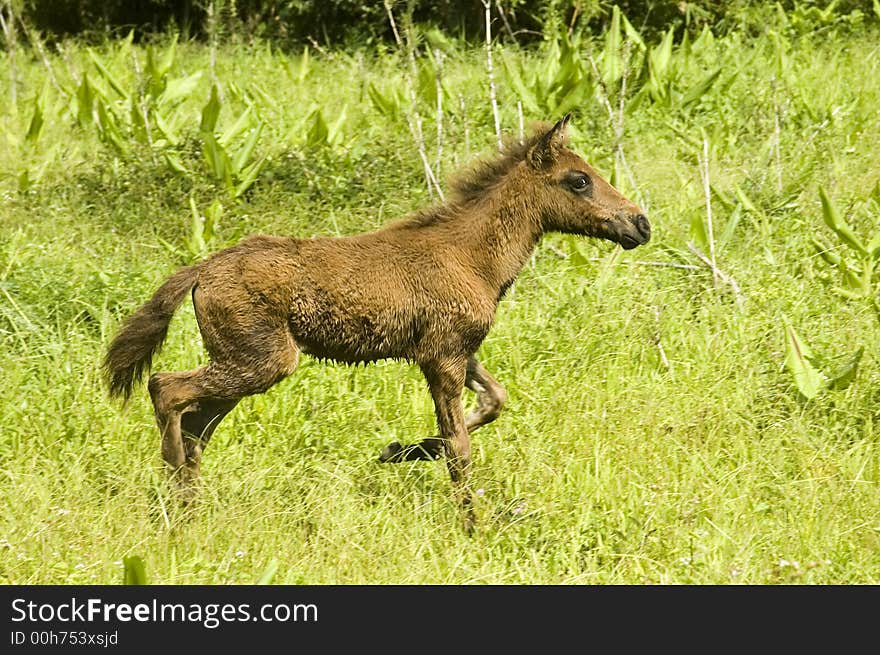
{"type": "Point", "coordinates": [446, 382]}
{"type": "Point", "coordinates": [491, 397]}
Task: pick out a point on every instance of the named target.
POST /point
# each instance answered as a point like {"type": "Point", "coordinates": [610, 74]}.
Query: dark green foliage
{"type": "Point", "coordinates": [287, 22]}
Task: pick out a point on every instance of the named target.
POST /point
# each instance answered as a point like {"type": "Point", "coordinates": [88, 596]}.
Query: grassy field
{"type": "Point", "coordinates": [660, 427]}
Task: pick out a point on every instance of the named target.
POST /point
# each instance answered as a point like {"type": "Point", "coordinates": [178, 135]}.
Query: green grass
{"type": "Point", "coordinates": [607, 466]}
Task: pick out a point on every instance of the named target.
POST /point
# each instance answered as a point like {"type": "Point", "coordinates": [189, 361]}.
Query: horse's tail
{"type": "Point", "coordinates": [142, 334]}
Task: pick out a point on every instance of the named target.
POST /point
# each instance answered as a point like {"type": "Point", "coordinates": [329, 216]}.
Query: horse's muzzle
{"type": "Point", "coordinates": [634, 231]}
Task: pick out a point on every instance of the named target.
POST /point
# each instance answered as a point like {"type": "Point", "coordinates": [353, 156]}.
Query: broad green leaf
{"type": "Point", "coordinates": [660, 56]}
{"type": "Point", "coordinates": [249, 176]}
{"type": "Point", "coordinates": [155, 82]}
{"type": "Point", "coordinates": [244, 155]}
{"type": "Point", "coordinates": [572, 100]}
{"type": "Point", "coordinates": [797, 359]}
{"type": "Point", "coordinates": [193, 208]}
{"type": "Point", "coordinates": [516, 76]}
{"type": "Point", "coordinates": [85, 102]}
{"type": "Point", "coordinates": [136, 119]}
{"type": "Point", "coordinates": [745, 200]}
{"type": "Point", "coordinates": [318, 131]}
{"type": "Point", "coordinates": [122, 54]}
{"type": "Point", "coordinates": [165, 129]}
{"type": "Point", "coordinates": [848, 294]}
{"type": "Point", "coordinates": [426, 83]}
{"type": "Point", "coordinates": [168, 57]}
{"type": "Point", "coordinates": [835, 222]}
{"type": "Point", "coordinates": [825, 252]}
{"type": "Point", "coordinates": [212, 217]}
{"type": "Point", "coordinates": [730, 227]}
{"type": "Point", "coordinates": [846, 373]}
{"type": "Point", "coordinates": [109, 128]}
{"type": "Point", "coordinates": [36, 124]}
{"type": "Point", "coordinates": [334, 134]}
{"type": "Point", "coordinates": [700, 89]}
{"type": "Point", "coordinates": [853, 281]}
{"type": "Point", "coordinates": [867, 274]}
{"type": "Point", "coordinates": [612, 61]}
{"type": "Point", "coordinates": [874, 246]}
{"type": "Point", "coordinates": [698, 232]}
{"type": "Point", "coordinates": [631, 32]}
{"type": "Point", "coordinates": [704, 42]}
{"type": "Point", "coordinates": [304, 65]}
{"type": "Point", "coordinates": [174, 163]}
{"type": "Point", "coordinates": [242, 123]}
{"type": "Point", "coordinates": [218, 161]}
{"type": "Point", "coordinates": [196, 240]}
{"type": "Point", "coordinates": [24, 181]}
{"type": "Point", "coordinates": [135, 572]}
{"type": "Point", "coordinates": [211, 111]}
{"type": "Point", "coordinates": [387, 104]}
{"type": "Point", "coordinates": [107, 75]}
{"type": "Point", "coordinates": [179, 88]}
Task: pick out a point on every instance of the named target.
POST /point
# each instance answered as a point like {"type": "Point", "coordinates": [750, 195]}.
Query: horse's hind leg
{"type": "Point", "coordinates": [197, 425]}
{"type": "Point", "coordinates": [491, 397]}
{"type": "Point", "coordinates": [194, 402]}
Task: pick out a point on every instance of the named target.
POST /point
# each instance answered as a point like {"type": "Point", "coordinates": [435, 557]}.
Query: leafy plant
{"type": "Point", "coordinates": [202, 228]}
{"type": "Point", "coordinates": [387, 100]}
{"type": "Point", "coordinates": [858, 268]}
{"type": "Point", "coordinates": [666, 64]}
{"type": "Point", "coordinates": [804, 367]}
{"type": "Point", "coordinates": [235, 169]}
{"type": "Point", "coordinates": [558, 84]}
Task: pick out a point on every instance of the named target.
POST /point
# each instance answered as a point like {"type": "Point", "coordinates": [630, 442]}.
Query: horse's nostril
{"type": "Point", "coordinates": [642, 225]}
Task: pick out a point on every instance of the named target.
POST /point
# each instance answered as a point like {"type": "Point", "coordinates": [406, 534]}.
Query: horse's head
{"type": "Point", "coordinates": [575, 199]}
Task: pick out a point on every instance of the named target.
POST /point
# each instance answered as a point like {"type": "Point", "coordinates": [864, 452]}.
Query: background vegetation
{"type": "Point", "coordinates": [701, 410]}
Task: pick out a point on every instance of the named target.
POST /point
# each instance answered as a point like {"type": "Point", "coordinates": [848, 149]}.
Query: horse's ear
{"type": "Point", "coordinates": [546, 150]}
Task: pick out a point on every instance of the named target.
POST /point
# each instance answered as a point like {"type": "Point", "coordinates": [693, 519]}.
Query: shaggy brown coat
{"type": "Point", "coordinates": [423, 289]}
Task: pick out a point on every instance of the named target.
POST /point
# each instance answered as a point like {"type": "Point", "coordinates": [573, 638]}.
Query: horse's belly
{"type": "Point", "coordinates": [358, 338]}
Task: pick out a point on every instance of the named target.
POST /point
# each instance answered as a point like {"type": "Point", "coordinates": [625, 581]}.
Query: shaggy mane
{"type": "Point", "coordinates": [476, 180]}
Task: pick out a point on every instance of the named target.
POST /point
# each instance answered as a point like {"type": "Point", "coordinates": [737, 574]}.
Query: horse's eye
{"type": "Point", "coordinates": [579, 183]}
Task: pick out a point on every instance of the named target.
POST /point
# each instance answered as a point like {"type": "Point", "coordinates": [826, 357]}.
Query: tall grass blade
{"type": "Point", "coordinates": [269, 572]}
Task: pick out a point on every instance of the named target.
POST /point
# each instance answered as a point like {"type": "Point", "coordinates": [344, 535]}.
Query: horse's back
{"type": "Point", "coordinates": [362, 298]}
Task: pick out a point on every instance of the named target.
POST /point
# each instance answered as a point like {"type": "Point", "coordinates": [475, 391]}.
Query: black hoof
{"type": "Point", "coordinates": [425, 451]}
{"type": "Point", "coordinates": [391, 453]}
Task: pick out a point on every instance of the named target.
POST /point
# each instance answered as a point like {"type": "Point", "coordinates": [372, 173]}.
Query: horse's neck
{"type": "Point", "coordinates": [504, 235]}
